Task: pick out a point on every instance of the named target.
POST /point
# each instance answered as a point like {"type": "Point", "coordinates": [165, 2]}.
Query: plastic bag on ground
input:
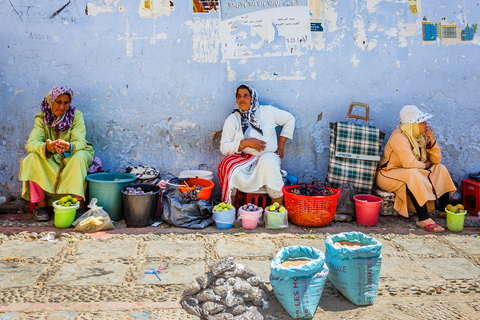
{"type": "Point", "coordinates": [299, 288]}
{"type": "Point", "coordinates": [194, 214]}
{"type": "Point", "coordinates": [275, 220]}
{"type": "Point", "coordinates": [345, 204]}
{"type": "Point", "coordinates": [456, 197]}
{"type": "Point", "coordinates": [354, 260]}
{"type": "Point", "coordinates": [95, 219]}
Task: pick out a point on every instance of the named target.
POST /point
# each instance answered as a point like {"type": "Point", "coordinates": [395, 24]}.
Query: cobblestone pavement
{"type": "Point", "coordinates": [102, 275]}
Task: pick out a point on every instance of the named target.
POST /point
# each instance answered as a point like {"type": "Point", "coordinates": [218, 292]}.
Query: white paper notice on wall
{"type": "Point", "coordinates": [264, 28]}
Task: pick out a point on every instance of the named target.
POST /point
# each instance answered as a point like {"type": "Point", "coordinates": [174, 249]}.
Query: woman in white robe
{"type": "Point", "coordinates": [249, 140]}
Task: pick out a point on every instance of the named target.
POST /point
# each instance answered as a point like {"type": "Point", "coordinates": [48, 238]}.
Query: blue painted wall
{"type": "Point", "coordinates": [154, 87]}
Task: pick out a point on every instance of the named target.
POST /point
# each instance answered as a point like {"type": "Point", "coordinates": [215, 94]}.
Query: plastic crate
{"type": "Point", "coordinates": [471, 195]}
{"type": "Point", "coordinates": [309, 211]}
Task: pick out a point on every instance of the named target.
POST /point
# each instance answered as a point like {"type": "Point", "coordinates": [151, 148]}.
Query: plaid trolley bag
{"type": "Point", "coordinates": [354, 152]}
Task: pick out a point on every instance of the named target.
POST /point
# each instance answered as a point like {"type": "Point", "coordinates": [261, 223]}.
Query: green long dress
{"type": "Point", "coordinates": [53, 172]}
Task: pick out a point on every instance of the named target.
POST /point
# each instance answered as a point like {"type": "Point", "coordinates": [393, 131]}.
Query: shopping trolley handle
{"type": "Point", "coordinates": [367, 111]}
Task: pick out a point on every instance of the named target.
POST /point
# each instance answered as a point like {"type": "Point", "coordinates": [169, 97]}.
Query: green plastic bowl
{"type": "Point", "coordinates": [64, 216]}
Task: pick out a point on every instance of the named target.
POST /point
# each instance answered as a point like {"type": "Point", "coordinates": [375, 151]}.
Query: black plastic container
{"type": "Point", "coordinates": [140, 209]}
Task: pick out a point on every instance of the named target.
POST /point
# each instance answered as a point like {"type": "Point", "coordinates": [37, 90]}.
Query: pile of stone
{"type": "Point", "coordinates": [228, 292]}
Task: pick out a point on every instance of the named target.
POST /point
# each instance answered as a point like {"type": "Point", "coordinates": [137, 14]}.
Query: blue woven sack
{"type": "Point", "coordinates": [354, 270]}
{"type": "Point", "coordinates": [299, 288]}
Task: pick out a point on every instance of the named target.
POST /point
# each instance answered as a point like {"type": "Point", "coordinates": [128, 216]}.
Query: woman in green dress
{"type": "Point", "coordinates": [59, 155]}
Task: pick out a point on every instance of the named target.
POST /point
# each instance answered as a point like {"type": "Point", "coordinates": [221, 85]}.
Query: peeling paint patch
{"type": "Point", "coordinates": [406, 30]}
{"type": "Point", "coordinates": [93, 10]}
{"type": "Point", "coordinates": [183, 124]}
{"type": "Point", "coordinates": [336, 42]}
{"type": "Point", "coordinates": [318, 41]}
{"type": "Point", "coordinates": [206, 39]}
{"type": "Point", "coordinates": [331, 16]}
{"type": "Point", "coordinates": [355, 61]}
{"type": "Point", "coordinates": [361, 34]}
{"type": "Point", "coordinates": [151, 9]}
{"type": "Point", "coordinates": [372, 5]}
{"type": "Point", "coordinates": [230, 72]}
{"type": "Point", "coordinates": [476, 41]}
{"type": "Point", "coordinates": [129, 38]}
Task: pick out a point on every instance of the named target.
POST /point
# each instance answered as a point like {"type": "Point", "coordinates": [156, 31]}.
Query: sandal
{"type": "Point", "coordinates": [41, 214]}
{"type": "Point", "coordinates": [432, 227]}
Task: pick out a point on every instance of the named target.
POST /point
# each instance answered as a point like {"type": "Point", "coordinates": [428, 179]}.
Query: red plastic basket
{"type": "Point", "coordinates": [310, 211]}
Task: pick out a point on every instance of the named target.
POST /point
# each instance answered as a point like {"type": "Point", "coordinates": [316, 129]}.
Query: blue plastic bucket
{"type": "Point", "coordinates": [224, 219]}
{"type": "Point", "coordinates": [107, 188]}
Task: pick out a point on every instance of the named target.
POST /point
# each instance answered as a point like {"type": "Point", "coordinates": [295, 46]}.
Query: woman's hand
{"type": "Point", "coordinates": [279, 152]}
{"type": "Point", "coordinates": [430, 135]}
{"type": "Point", "coordinates": [62, 146]}
{"type": "Point", "coordinates": [281, 143]}
{"type": "Point", "coordinates": [253, 143]}
{"type": "Point", "coordinates": [428, 164]}
{"type": "Point", "coordinates": [50, 145]}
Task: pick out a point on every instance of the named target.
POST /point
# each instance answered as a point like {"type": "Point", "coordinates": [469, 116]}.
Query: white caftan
{"type": "Point", "coordinates": [265, 170]}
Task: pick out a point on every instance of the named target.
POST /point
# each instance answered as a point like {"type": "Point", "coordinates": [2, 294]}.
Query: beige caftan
{"type": "Point", "coordinates": [398, 168]}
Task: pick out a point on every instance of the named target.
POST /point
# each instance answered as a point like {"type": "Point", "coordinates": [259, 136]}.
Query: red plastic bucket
{"type": "Point", "coordinates": [367, 208]}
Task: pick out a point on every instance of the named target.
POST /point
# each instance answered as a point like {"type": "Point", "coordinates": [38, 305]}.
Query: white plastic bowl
{"type": "Point", "coordinates": [203, 174]}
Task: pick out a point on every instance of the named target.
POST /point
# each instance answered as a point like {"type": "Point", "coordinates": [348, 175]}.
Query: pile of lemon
{"type": "Point", "coordinates": [67, 201]}
{"type": "Point", "coordinates": [458, 208]}
{"type": "Point", "coordinates": [222, 206]}
{"type": "Point", "coordinates": [276, 207]}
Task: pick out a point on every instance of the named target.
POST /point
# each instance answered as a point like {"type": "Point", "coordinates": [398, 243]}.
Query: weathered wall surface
{"type": "Point", "coordinates": [154, 86]}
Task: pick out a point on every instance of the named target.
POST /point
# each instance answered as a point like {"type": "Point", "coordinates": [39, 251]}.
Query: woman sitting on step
{"type": "Point", "coordinates": [410, 167]}
{"type": "Point", "coordinates": [249, 140]}
{"type": "Point", "coordinates": [58, 153]}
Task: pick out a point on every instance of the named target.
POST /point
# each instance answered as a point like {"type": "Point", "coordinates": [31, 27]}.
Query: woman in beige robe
{"type": "Point", "coordinates": [410, 167]}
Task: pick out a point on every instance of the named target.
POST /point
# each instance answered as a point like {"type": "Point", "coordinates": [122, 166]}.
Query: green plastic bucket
{"type": "Point", "coordinates": [107, 188]}
{"type": "Point", "coordinates": [64, 216]}
{"type": "Point", "coordinates": [455, 220]}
